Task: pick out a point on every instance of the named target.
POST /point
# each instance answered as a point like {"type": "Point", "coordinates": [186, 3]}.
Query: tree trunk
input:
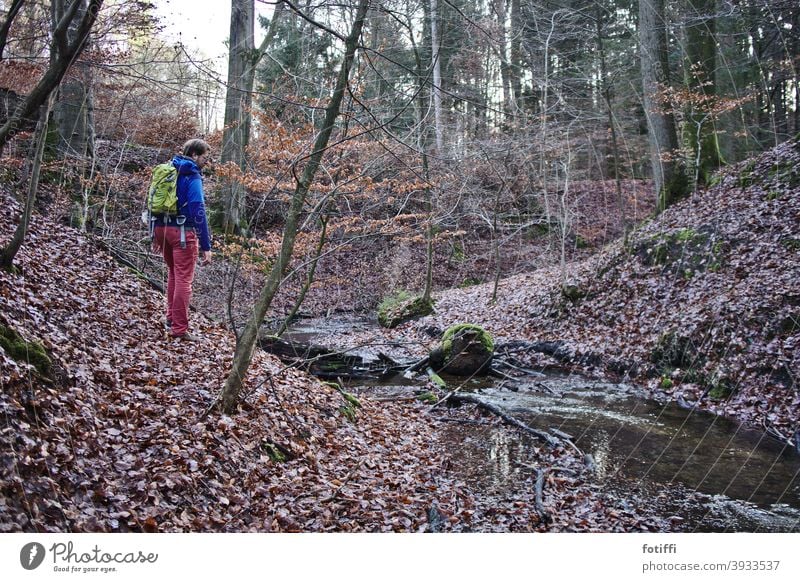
{"type": "Point", "coordinates": [701, 57]}
{"type": "Point", "coordinates": [247, 341]}
{"type": "Point", "coordinates": [778, 86]}
{"type": "Point", "coordinates": [516, 57]}
{"type": "Point", "coordinates": [243, 59]}
{"type": "Point", "coordinates": [71, 109]}
{"type": "Point", "coordinates": [422, 146]}
{"type": "Point", "coordinates": [668, 172]}
{"type": "Point", "coordinates": [506, 75]}
{"type": "Point", "coordinates": [10, 251]}
{"type": "Point", "coordinates": [71, 118]}
{"type": "Point", "coordinates": [13, 10]}
{"type": "Point", "coordinates": [63, 52]}
{"type": "Point", "coordinates": [238, 100]}
{"type": "Point", "coordinates": [250, 71]}
{"type": "Point", "coordinates": [612, 126]}
{"type": "Point", "coordinates": [437, 74]}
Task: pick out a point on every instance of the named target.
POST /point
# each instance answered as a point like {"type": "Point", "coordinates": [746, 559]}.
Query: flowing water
{"type": "Point", "coordinates": [747, 480]}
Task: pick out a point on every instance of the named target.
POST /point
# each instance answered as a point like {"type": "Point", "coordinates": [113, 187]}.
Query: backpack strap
{"type": "Point", "coordinates": [181, 221]}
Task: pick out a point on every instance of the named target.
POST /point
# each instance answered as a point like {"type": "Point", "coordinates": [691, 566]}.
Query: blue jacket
{"type": "Point", "coordinates": [191, 201]}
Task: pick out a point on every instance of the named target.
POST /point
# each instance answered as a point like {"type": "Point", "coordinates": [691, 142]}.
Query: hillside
{"type": "Point", "coordinates": [701, 305]}
{"type": "Point", "coordinates": [115, 430]}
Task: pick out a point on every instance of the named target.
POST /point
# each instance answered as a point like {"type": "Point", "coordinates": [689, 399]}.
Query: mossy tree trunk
{"type": "Point", "coordinates": [247, 341]}
{"type": "Point", "coordinates": [669, 174]}
{"type": "Point", "coordinates": [700, 75]}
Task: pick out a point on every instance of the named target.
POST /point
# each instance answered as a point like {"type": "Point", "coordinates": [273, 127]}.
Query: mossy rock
{"type": "Point", "coordinates": [437, 380]}
{"type": "Point", "coordinates": [469, 282]}
{"type": "Point", "coordinates": [572, 292]}
{"type": "Point", "coordinates": [32, 353]}
{"type": "Point", "coordinates": [401, 307]}
{"type": "Point", "coordinates": [275, 453]}
{"type": "Point", "coordinates": [785, 174]}
{"type": "Point", "coordinates": [466, 350]}
{"type": "Point", "coordinates": [685, 251]}
{"type": "Point", "coordinates": [715, 180]}
{"type": "Point", "coordinates": [746, 177]}
{"type": "Point", "coordinates": [537, 231]}
{"type": "Point", "coordinates": [674, 350]}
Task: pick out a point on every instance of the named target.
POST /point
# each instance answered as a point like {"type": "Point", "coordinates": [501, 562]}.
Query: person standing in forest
{"type": "Point", "coordinates": [182, 237]}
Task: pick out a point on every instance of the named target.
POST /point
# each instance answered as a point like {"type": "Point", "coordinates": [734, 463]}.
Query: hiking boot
{"type": "Point", "coordinates": [187, 337]}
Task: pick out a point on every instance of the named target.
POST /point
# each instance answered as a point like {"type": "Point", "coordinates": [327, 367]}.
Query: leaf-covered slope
{"type": "Point", "coordinates": [703, 301]}
{"type": "Point", "coordinates": [121, 437]}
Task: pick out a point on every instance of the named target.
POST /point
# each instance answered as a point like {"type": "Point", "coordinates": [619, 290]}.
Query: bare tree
{"type": "Point", "coordinates": [8, 253]}
{"type": "Point", "coordinates": [13, 11]}
{"type": "Point", "coordinates": [437, 75]}
{"type": "Point", "coordinates": [247, 341]}
{"type": "Point", "coordinates": [63, 51]}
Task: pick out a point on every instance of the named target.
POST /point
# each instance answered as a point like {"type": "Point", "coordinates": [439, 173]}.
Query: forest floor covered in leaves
{"type": "Point", "coordinates": [118, 431]}
{"type": "Point", "coordinates": [700, 305]}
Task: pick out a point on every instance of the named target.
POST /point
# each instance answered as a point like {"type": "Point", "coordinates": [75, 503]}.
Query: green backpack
{"type": "Point", "coordinates": [162, 197]}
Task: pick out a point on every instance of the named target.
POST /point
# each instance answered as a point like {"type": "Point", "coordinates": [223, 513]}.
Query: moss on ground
{"type": "Point", "coordinates": [32, 353]}
{"type": "Point", "coordinates": [428, 398]}
{"type": "Point", "coordinates": [683, 252]}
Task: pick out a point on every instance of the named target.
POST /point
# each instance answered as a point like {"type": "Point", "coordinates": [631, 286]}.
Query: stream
{"type": "Point", "coordinates": [745, 479]}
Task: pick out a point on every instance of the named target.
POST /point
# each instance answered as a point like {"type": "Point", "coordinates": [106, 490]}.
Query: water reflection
{"type": "Point", "coordinates": [500, 453]}
{"type": "Point", "coordinates": [747, 480]}
{"type": "Point", "coordinates": [650, 441]}
{"type": "Point", "coordinates": [601, 452]}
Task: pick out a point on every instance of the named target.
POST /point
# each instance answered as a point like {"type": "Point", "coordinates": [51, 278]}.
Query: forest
{"type": "Point", "coordinates": [476, 266]}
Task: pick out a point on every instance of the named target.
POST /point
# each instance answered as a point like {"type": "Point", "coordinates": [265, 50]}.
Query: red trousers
{"type": "Point", "coordinates": [180, 265]}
